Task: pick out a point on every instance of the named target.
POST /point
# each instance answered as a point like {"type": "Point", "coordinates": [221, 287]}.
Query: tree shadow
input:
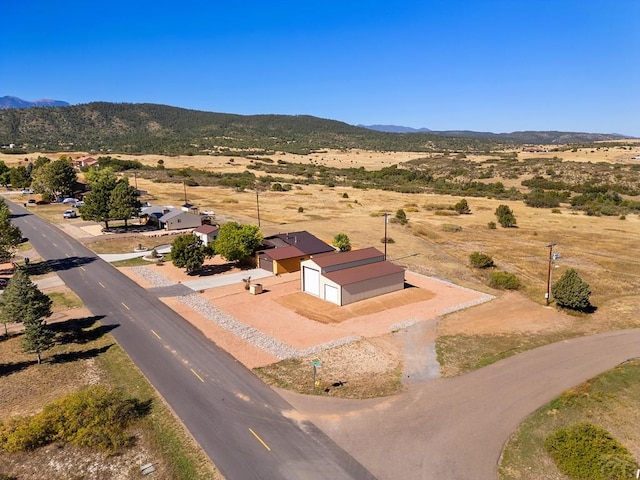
{"type": "Point", "coordinates": [9, 368]}
{"type": "Point", "coordinates": [8, 336]}
{"type": "Point", "coordinates": [56, 265]}
{"type": "Point", "coordinates": [18, 215]}
{"type": "Point", "coordinates": [83, 355]}
{"type": "Point", "coordinates": [208, 270]}
{"type": "Point", "coordinates": [81, 330]}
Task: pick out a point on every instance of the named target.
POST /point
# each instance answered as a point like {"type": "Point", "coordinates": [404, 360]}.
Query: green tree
{"type": "Point", "coordinates": [187, 251]}
{"type": "Point", "coordinates": [19, 177]}
{"type": "Point", "coordinates": [57, 178]}
{"type": "Point", "coordinates": [236, 242]}
{"type": "Point", "coordinates": [23, 302]}
{"type": "Point", "coordinates": [97, 203]}
{"type": "Point", "coordinates": [5, 179]}
{"type": "Point", "coordinates": [10, 235]}
{"type": "Point", "coordinates": [462, 207]}
{"type": "Point", "coordinates": [570, 291]}
{"type": "Point", "coordinates": [341, 242]}
{"type": "Point", "coordinates": [505, 216]}
{"type": "Point", "coordinates": [123, 201]}
{"type": "Point", "coordinates": [37, 338]}
{"type": "Point", "coordinates": [401, 216]}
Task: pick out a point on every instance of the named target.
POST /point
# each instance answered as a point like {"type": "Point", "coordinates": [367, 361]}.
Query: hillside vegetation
{"type": "Point", "coordinates": [161, 129]}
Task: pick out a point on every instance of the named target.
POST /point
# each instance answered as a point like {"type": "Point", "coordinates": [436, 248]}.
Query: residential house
{"type": "Point", "coordinates": [282, 253]}
{"type": "Point", "coordinates": [207, 233]}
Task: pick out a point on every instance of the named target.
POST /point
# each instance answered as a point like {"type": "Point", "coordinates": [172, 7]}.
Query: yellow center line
{"type": "Point", "coordinates": [125, 305]}
{"type": "Point", "coordinates": [100, 283]}
{"type": "Point", "coordinates": [260, 440]}
{"type": "Point", "coordinates": [153, 331]}
{"type": "Point", "coordinates": [196, 374]}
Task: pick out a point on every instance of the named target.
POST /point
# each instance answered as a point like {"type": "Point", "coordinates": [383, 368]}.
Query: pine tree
{"type": "Point", "coordinates": [505, 216]}
{"type": "Point", "coordinates": [97, 203]}
{"type": "Point", "coordinates": [570, 291]}
{"type": "Point", "coordinates": [37, 338]}
{"type": "Point", "coordinates": [123, 201]}
{"type": "Point", "coordinates": [10, 235]}
{"type": "Point", "coordinates": [23, 302]}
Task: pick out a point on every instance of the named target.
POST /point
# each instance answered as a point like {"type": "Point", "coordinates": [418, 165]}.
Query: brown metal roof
{"type": "Point", "coordinates": [338, 258]}
{"type": "Point", "coordinates": [352, 275]}
{"type": "Point", "coordinates": [206, 229]}
{"type": "Point", "coordinates": [283, 253]}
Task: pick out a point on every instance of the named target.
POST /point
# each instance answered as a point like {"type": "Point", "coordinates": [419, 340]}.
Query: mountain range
{"type": "Point", "coordinates": [153, 128]}
{"type": "Point", "coordinates": [15, 102]}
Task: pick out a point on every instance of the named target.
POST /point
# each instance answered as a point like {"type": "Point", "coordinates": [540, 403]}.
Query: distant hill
{"type": "Point", "coordinates": [537, 137]}
{"type": "Point", "coordinates": [162, 129]}
{"type": "Point", "coordinates": [395, 129]}
{"type": "Point", "coordinates": [15, 102]}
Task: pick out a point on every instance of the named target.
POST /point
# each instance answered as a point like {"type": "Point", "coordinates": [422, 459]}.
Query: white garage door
{"type": "Point", "coordinates": [311, 280]}
{"type": "Point", "coordinates": [331, 294]}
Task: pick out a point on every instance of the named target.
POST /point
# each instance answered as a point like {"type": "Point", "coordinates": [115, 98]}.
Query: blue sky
{"type": "Point", "coordinates": [484, 65]}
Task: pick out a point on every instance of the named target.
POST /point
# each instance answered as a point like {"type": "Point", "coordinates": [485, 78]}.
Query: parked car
{"type": "Point", "coordinates": [27, 191]}
{"type": "Point", "coordinates": [3, 283]}
{"type": "Point", "coordinates": [69, 214]}
{"type": "Point", "coordinates": [32, 200]}
{"type": "Point", "coordinates": [42, 202]}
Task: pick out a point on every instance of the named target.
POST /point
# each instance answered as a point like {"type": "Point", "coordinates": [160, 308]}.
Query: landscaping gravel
{"type": "Point", "coordinates": [249, 334]}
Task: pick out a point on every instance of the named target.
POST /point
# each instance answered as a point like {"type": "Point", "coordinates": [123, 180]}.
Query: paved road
{"type": "Point", "coordinates": [245, 427]}
{"type": "Point", "coordinates": [455, 429]}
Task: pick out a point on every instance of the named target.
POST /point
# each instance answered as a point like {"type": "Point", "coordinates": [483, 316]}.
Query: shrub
{"type": "Point", "coordinates": [480, 260]}
{"type": "Point", "coordinates": [450, 228]}
{"type": "Point", "coordinates": [586, 451]}
{"type": "Point", "coordinates": [94, 417]}
{"type": "Point", "coordinates": [345, 195]}
{"type": "Point", "coordinates": [341, 242]}
{"type": "Point", "coordinates": [505, 216]}
{"type": "Point", "coordinates": [300, 209]}
{"type": "Point", "coordinates": [401, 216]}
{"type": "Point", "coordinates": [491, 225]}
{"type": "Point", "coordinates": [462, 207]}
{"type": "Point", "coordinates": [570, 291]}
{"type": "Point", "coordinates": [387, 240]}
{"type": "Point", "coordinates": [504, 280]}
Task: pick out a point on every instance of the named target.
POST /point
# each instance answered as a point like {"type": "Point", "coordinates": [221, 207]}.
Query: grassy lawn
{"type": "Point", "coordinates": [611, 401]}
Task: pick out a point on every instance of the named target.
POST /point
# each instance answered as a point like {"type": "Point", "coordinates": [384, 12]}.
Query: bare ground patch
{"type": "Point", "coordinates": [324, 312]}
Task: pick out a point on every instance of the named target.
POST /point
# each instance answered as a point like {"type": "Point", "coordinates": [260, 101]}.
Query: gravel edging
{"type": "Point", "coordinates": [246, 332]}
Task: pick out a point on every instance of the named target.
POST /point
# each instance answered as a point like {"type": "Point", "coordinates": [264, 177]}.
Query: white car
{"type": "Point", "coordinates": [27, 191]}
{"type": "Point", "coordinates": [69, 214]}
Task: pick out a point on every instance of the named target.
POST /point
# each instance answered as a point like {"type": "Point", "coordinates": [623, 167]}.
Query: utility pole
{"type": "Point", "coordinates": [548, 294]}
{"type": "Point", "coordinates": [184, 186]}
{"type": "Point", "coordinates": [258, 204]}
{"type": "Point", "coordinates": [386, 217]}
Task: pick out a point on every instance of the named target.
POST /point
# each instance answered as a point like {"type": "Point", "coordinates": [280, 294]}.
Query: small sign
{"type": "Point", "coordinates": [316, 362]}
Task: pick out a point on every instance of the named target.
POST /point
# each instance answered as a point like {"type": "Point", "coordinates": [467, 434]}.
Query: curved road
{"type": "Point", "coordinates": [243, 425]}
{"type": "Point", "coordinates": [455, 428]}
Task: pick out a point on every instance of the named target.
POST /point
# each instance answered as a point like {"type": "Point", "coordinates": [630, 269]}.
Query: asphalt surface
{"type": "Point", "coordinates": [455, 428]}
{"type": "Point", "coordinates": [246, 428]}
